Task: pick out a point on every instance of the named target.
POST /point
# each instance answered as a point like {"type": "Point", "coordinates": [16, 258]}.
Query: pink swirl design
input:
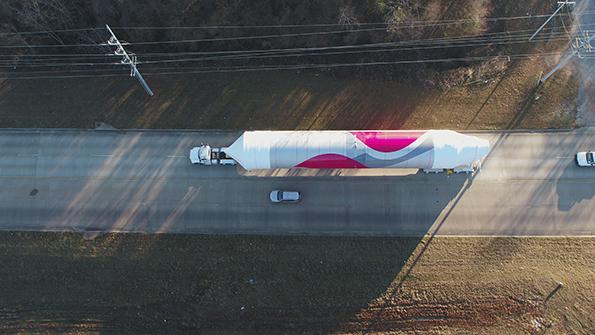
{"type": "Point", "coordinates": [331, 161]}
{"type": "Point", "coordinates": [386, 141]}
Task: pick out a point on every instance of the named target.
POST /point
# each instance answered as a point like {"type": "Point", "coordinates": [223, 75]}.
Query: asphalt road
{"type": "Point", "coordinates": [144, 182]}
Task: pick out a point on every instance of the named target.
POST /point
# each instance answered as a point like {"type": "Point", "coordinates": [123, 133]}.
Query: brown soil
{"type": "Point", "coordinates": [244, 284]}
{"type": "Point", "coordinates": [288, 100]}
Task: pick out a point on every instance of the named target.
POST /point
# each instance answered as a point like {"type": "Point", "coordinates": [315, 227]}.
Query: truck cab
{"type": "Point", "coordinates": [205, 155]}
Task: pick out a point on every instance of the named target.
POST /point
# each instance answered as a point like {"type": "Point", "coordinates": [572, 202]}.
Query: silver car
{"type": "Point", "coordinates": [285, 196]}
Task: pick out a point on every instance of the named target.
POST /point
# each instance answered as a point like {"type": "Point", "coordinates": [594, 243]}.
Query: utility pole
{"type": "Point", "coordinates": [128, 59]}
{"type": "Point", "coordinates": [561, 5]}
{"type": "Point", "coordinates": [560, 64]}
{"type": "Point", "coordinates": [584, 43]}
{"type": "Point", "coordinates": [581, 43]}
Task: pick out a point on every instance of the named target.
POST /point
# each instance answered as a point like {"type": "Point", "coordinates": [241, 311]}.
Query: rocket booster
{"type": "Point", "coordinates": [423, 149]}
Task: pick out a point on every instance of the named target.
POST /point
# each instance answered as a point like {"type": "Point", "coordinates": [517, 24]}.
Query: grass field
{"type": "Point", "coordinates": [289, 100]}
{"type": "Point", "coordinates": [242, 284]}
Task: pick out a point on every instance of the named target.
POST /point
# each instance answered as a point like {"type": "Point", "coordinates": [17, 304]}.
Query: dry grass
{"type": "Point", "coordinates": [165, 283]}
{"type": "Point", "coordinates": [287, 100]}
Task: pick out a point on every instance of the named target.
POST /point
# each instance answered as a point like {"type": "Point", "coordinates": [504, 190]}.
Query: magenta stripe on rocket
{"type": "Point", "coordinates": [331, 161]}
{"type": "Point", "coordinates": [387, 141]}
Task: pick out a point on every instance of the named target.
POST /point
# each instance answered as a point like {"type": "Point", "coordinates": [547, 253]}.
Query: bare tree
{"type": "Point", "coordinates": [347, 16]}
{"type": "Point", "coordinates": [47, 15]}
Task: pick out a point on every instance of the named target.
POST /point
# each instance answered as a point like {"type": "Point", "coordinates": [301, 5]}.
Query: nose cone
{"type": "Point", "coordinates": [482, 149]}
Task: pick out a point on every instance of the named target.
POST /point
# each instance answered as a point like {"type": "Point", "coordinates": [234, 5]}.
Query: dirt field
{"type": "Point", "coordinates": [288, 100]}
{"type": "Point", "coordinates": [185, 284]}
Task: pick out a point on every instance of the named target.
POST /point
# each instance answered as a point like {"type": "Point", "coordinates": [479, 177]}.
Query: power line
{"type": "Point", "coordinates": [321, 25]}
{"type": "Point", "coordinates": [251, 37]}
{"type": "Point", "coordinates": [478, 42]}
{"type": "Point", "coordinates": [305, 66]}
{"type": "Point", "coordinates": [201, 40]}
{"type": "Point", "coordinates": [313, 25]}
{"type": "Point", "coordinates": [523, 41]}
{"type": "Point", "coordinates": [340, 47]}
{"type": "Point", "coordinates": [503, 37]}
{"type": "Point", "coordinates": [362, 45]}
{"type": "Point", "coordinates": [436, 23]}
{"type": "Point", "coordinates": [290, 66]}
{"type": "Point", "coordinates": [220, 39]}
{"type": "Point", "coordinates": [58, 55]}
{"type": "Point", "coordinates": [12, 59]}
{"type": "Point", "coordinates": [159, 54]}
{"type": "Point", "coordinates": [445, 39]}
{"type": "Point", "coordinates": [59, 64]}
{"type": "Point", "coordinates": [451, 42]}
{"type": "Point", "coordinates": [49, 31]}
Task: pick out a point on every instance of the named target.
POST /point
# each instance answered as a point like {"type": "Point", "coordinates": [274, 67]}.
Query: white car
{"type": "Point", "coordinates": [285, 196]}
{"type": "Point", "coordinates": [585, 158]}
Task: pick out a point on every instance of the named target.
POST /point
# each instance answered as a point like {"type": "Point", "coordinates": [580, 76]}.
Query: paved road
{"type": "Point", "coordinates": [143, 181]}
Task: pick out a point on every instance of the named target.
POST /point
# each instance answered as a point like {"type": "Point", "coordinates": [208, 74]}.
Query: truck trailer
{"type": "Point", "coordinates": [430, 150]}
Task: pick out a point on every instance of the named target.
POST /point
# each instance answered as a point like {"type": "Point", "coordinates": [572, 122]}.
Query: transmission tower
{"type": "Point", "coordinates": [581, 44]}
{"type": "Point", "coordinates": [128, 59]}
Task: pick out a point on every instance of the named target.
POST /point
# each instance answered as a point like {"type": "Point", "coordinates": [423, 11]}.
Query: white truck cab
{"type": "Point", "coordinates": [205, 155]}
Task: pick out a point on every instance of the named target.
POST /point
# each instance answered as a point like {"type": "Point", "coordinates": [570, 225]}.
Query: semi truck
{"type": "Point", "coordinates": [429, 150]}
{"type": "Point", "coordinates": [206, 155]}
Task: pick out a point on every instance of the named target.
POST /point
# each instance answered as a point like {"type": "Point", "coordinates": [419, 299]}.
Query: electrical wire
{"type": "Point", "coordinates": [438, 43]}
{"type": "Point", "coordinates": [304, 66]}
{"type": "Point", "coordinates": [501, 38]}
{"type": "Point", "coordinates": [445, 39]}
{"type": "Point", "coordinates": [49, 31]}
{"type": "Point", "coordinates": [158, 54]}
{"type": "Point", "coordinates": [314, 25]}
{"type": "Point", "coordinates": [321, 25]}
{"type": "Point", "coordinates": [518, 41]}
{"type": "Point", "coordinates": [270, 56]}
{"type": "Point", "coordinates": [290, 66]}
{"type": "Point", "coordinates": [436, 23]}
